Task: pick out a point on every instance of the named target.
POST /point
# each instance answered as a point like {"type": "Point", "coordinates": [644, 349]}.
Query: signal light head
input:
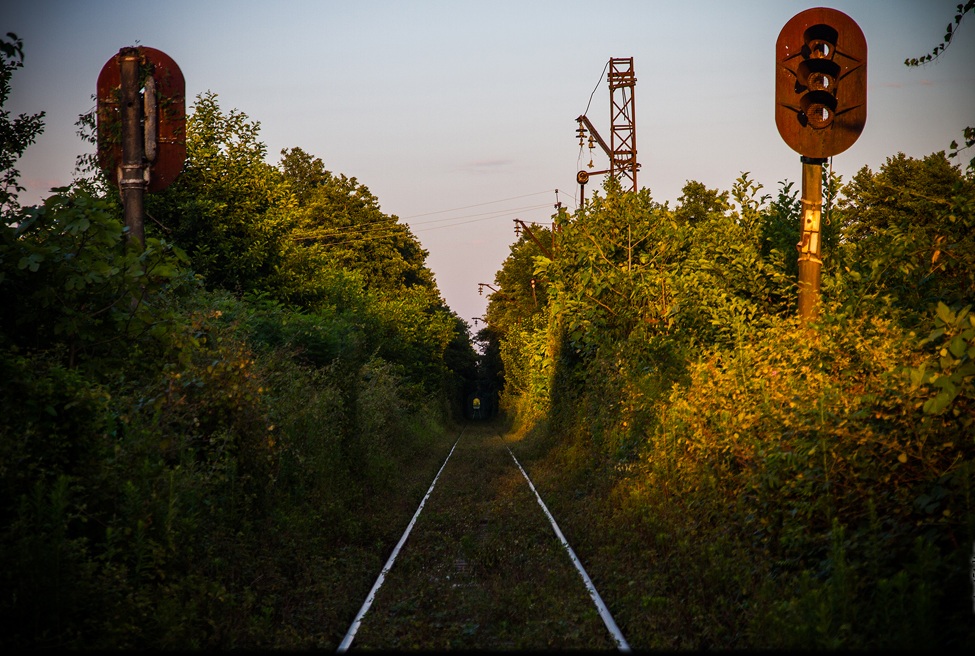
{"type": "Point", "coordinates": [820, 82]}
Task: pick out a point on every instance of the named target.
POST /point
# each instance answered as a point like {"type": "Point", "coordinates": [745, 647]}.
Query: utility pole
{"type": "Point", "coordinates": [521, 225]}
{"type": "Point", "coordinates": [621, 149]}
{"type": "Point", "coordinates": [810, 242]}
{"type": "Point", "coordinates": [622, 135]}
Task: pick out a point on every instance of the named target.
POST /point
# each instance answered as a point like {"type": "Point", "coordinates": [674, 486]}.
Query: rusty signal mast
{"type": "Point", "coordinates": [141, 127]}
{"type": "Point", "coordinates": [621, 149]}
{"type": "Point", "coordinates": [820, 111]}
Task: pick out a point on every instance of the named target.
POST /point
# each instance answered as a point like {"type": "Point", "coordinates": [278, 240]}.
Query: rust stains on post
{"type": "Point", "coordinates": [132, 181]}
{"type": "Point", "coordinates": [810, 241]}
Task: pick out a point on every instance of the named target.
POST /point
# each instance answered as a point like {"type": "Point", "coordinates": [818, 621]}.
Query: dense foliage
{"type": "Point", "coordinates": [818, 477]}
{"type": "Point", "coordinates": [197, 436]}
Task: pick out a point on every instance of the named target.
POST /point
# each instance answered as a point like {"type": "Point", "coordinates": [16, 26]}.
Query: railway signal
{"type": "Point", "coordinates": [820, 111]}
{"type": "Point", "coordinates": [820, 82]}
{"type": "Point", "coordinates": [141, 127]}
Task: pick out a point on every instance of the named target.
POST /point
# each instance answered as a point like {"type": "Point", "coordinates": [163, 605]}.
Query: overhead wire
{"type": "Point", "coordinates": [585, 113]}
{"type": "Point", "coordinates": [498, 214]}
{"type": "Point", "coordinates": [466, 207]}
{"type": "Point", "coordinates": [387, 226]}
{"type": "Point", "coordinates": [383, 223]}
{"type": "Point", "coordinates": [595, 88]}
{"type": "Point", "coordinates": [392, 231]}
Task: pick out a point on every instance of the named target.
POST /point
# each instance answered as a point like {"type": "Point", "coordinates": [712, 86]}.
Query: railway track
{"type": "Point", "coordinates": [483, 565]}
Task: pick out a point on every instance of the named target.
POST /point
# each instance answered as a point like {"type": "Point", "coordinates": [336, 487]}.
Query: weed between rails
{"type": "Point", "coordinates": [335, 575]}
{"type": "Point", "coordinates": [482, 568]}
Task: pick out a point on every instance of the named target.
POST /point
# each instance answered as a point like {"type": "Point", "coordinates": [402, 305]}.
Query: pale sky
{"type": "Point", "coordinates": [441, 105]}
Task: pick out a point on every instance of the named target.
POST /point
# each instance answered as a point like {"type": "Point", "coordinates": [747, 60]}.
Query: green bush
{"type": "Point", "coordinates": [799, 485]}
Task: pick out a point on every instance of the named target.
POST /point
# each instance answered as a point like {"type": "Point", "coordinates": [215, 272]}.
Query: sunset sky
{"type": "Point", "coordinates": [450, 110]}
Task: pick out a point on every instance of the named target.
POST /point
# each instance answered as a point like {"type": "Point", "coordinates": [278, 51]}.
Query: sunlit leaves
{"type": "Point", "coordinates": [229, 209]}
{"type": "Point", "coordinates": [950, 371]}
{"type": "Point", "coordinates": [678, 359]}
{"type": "Point", "coordinates": [907, 240]}
{"type": "Point", "coordinates": [338, 224]}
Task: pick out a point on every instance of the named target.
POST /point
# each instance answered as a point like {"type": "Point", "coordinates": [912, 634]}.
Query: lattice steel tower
{"type": "Point", "coordinates": [621, 148]}
{"type": "Point", "coordinates": [622, 137]}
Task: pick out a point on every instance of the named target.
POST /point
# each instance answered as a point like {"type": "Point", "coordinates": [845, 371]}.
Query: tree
{"type": "Point", "coordinates": [16, 134]}
{"type": "Point", "coordinates": [67, 280]}
{"type": "Point", "coordinates": [904, 191]}
{"type": "Point", "coordinates": [303, 172]}
{"type": "Point", "coordinates": [228, 209]}
{"type": "Point", "coordinates": [339, 220]}
{"type": "Point", "coordinates": [521, 291]}
{"type": "Point", "coordinates": [907, 234]}
{"type": "Point", "coordinates": [697, 202]}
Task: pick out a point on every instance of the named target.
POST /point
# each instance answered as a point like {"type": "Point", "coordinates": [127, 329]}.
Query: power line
{"type": "Point", "coordinates": [490, 202]}
{"type": "Point", "coordinates": [392, 232]}
{"type": "Point", "coordinates": [585, 113]}
{"type": "Point", "coordinates": [383, 222]}
{"type": "Point", "coordinates": [498, 215]}
{"type": "Point", "coordinates": [380, 226]}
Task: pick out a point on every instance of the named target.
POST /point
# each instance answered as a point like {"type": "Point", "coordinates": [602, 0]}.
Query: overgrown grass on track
{"type": "Point", "coordinates": [482, 568]}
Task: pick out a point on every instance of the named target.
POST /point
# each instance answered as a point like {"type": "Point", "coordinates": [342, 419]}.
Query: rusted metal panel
{"type": "Point", "coordinates": [820, 82]}
{"type": "Point", "coordinates": [168, 112]}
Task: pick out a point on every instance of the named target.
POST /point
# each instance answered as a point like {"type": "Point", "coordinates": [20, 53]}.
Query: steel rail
{"type": "Point", "coordinates": [607, 617]}
{"type": "Point", "coordinates": [354, 628]}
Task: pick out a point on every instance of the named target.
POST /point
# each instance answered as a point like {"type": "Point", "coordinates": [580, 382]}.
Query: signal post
{"type": "Point", "coordinates": [141, 128]}
{"type": "Point", "coordinates": [810, 241]}
{"type": "Point", "coordinates": [820, 111]}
